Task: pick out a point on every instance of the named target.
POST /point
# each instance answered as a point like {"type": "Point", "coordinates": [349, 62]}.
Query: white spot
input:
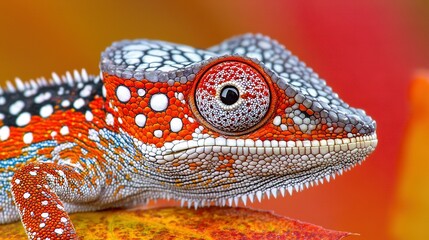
{"type": "Point", "coordinates": [103, 91]}
{"type": "Point", "coordinates": [16, 107]}
{"type": "Point", "coordinates": [26, 195]}
{"type": "Point", "coordinates": [44, 203]}
{"type": "Point", "coordinates": [277, 120]}
{"type": "Point", "coordinates": [123, 94]}
{"type": "Point", "coordinates": [28, 138]}
{"type": "Point", "coordinates": [44, 215]}
{"type": "Point", "coordinates": [179, 58]}
{"type": "Point", "coordinates": [140, 120]}
{"type": "Point", "coordinates": [109, 119]}
{"type": "Point", "coordinates": [64, 130]}
{"type": "Point", "coordinates": [157, 52]}
{"type": "Point", "coordinates": [33, 173]}
{"type": "Point", "coordinates": [264, 45]}
{"type": "Point", "coordinates": [167, 68]}
{"type": "Point", "coordinates": [65, 103]}
{"type": "Point", "coordinates": [2, 100]}
{"type": "Point", "coordinates": [141, 92]}
{"type": "Point", "coordinates": [89, 116]}
{"type": "Point", "coordinates": [133, 54]}
{"type": "Point", "coordinates": [1, 116]}
{"type": "Point", "coordinates": [312, 92]}
{"type": "Point", "coordinates": [151, 59]}
{"type": "Point", "coordinates": [4, 133]}
{"type": "Point", "coordinates": [78, 103]}
{"type": "Point", "coordinates": [157, 133]}
{"type": "Point", "coordinates": [42, 225]}
{"type": "Point", "coordinates": [23, 119]}
{"type": "Point", "coordinates": [86, 91]}
{"type": "Point", "coordinates": [46, 111]}
{"type": "Point", "coordinates": [53, 134]}
{"type": "Point", "coordinates": [42, 97]}
{"type": "Point", "coordinates": [193, 57]}
{"type": "Point", "coordinates": [17, 181]}
{"type": "Point", "coordinates": [59, 230]}
{"type": "Point", "coordinates": [159, 102]}
{"type": "Point", "coordinates": [63, 219]}
{"type": "Point", "coordinates": [176, 124]}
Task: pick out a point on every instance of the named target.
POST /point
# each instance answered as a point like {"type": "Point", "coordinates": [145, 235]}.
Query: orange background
{"type": "Point", "coordinates": [366, 50]}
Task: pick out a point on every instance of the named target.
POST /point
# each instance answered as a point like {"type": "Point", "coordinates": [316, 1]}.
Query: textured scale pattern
{"type": "Point", "coordinates": [238, 121]}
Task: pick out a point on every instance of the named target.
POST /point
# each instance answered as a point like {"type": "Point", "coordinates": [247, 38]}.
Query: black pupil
{"type": "Point", "coordinates": [229, 95]}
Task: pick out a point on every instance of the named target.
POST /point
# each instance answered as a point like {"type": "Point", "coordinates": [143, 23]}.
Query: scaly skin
{"type": "Point", "coordinates": [169, 121]}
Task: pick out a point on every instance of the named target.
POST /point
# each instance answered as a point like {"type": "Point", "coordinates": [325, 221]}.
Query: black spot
{"type": "Point", "coordinates": [229, 95]}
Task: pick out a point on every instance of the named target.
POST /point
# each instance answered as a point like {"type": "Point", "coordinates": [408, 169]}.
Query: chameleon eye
{"type": "Point", "coordinates": [232, 96]}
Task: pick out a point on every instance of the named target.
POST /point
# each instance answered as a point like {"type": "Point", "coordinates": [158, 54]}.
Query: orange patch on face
{"type": "Point", "coordinates": [147, 109]}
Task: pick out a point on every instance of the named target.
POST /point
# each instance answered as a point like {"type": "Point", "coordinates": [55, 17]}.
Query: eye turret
{"type": "Point", "coordinates": [232, 96]}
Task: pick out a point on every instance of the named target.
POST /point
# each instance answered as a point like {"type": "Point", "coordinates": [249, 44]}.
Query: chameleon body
{"type": "Point", "coordinates": [237, 121]}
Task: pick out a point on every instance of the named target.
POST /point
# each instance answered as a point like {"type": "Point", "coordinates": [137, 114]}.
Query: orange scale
{"type": "Point", "coordinates": [171, 101]}
{"type": "Point", "coordinates": [147, 110]}
{"type": "Point", "coordinates": [149, 85]}
{"type": "Point", "coordinates": [163, 90]}
{"type": "Point", "coordinates": [139, 84]}
{"type": "Point", "coordinates": [153, 91]}
{"type": "Point", "coordinates": [150, 114]}
{"type": "Point", "coordinates": [129, 83]}
{"type": "Point", "coordinates": [142, 104]}
{"type": "Point", "coordinates": [133, 105]}
{"type": "Point", "coordinates": [170, 95]}
{"type": "Point", "coordinates": [168, 118]}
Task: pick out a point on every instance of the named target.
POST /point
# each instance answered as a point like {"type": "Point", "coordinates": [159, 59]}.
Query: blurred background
{"type": "Point", "coordinates": [368, 51]}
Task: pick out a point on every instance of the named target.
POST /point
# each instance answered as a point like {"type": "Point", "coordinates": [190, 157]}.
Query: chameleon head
{"type": "Point", "coordinates": [233, 121]}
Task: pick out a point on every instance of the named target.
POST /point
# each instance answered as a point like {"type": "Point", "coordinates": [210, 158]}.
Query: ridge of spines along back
{"type": "Point", "coordinates": [56, 80]}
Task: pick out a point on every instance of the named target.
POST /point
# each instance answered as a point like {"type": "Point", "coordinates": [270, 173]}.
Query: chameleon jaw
{"type": "Point", "coordinates": [336, 157]}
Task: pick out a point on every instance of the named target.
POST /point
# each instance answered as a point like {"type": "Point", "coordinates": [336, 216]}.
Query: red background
{"type": "Point", "coordinates": [366, 50]}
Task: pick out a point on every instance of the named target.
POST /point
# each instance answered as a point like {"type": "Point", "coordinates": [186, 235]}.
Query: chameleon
{"type": "Point", "coordinates": [241, 120]}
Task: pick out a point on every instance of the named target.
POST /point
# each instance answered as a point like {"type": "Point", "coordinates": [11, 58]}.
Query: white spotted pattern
{"type": "Point", "coordinates": [78, 103]}
{"type": "Point", "coordinates": [16, 107]}
{"type": "Point", "coordinates": [109, 119]}
{"type": "Point", "coordinates": [89, 116]}
{"type": "Point", "coordinates": [141, 92]}
{"type": "Point", "coordinates": [26, 195]}
{"type": "Point", "coordinates": [28, 138]}
{"type": "Point", "coordinates": [159, 102]}
{"type": "Point", "coordinates": [23, 119]}
{"type": "Point", "coordinates": [64, 130]}
{"type": "Point", "coordinates": [123, 94]}
{"type": "Point", "coordinates": [140, 120]}
{"type": "Point", "coordinates": [46, 111]}
{"type": "Point", "coordinates": [157, 133]}
{"type": "Point", "coordinates": [4, 133]}
{"type": "Point", "coordinates": [176, 124]}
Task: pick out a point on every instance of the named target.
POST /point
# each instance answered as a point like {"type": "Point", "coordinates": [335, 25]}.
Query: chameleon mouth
{"type": "Point", "coordinates": [329, 157]}
{"type": "Point", "coordinates": [274, 147]}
